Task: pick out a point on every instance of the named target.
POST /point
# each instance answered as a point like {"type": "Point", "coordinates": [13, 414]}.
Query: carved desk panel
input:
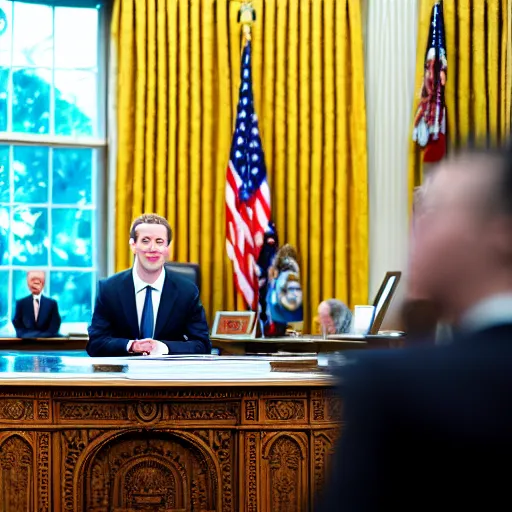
{"type": "Point", "coordinates": [107, 447]}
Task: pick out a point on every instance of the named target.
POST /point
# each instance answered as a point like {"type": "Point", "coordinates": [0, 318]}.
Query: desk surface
{"type": "Point", "coordinates": [167, 371]}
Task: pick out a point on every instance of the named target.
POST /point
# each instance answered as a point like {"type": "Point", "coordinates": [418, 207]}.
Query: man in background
{"type": "Point", "coordinates": [334, 317]}
{"type": "Point", "coordinates": [430, 427]}
{"type": "Point", "coordinates": [36, 316]}
{"type": "Point", "coordinates": [148, 309]}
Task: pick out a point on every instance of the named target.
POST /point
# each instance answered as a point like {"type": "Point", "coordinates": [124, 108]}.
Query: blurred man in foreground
{"type": "Point", "coordinates": [430, 428]}
{"type": "Point", "coordinates": [36, 315]}
{"type": "Point", "coordinates": [148, 309]}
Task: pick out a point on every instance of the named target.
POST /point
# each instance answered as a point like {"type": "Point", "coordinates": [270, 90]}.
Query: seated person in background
{"type": "Point", "coordinates": [149, 309]}
{"type": "Point", "coordinates": [36, 316]}
{"type": "Point", "coordinates": [334, 316]}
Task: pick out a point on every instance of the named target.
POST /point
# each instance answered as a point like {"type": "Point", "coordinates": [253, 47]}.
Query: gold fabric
{"type": "Point", "coordinates": [178, 67]}
{"type": "Point", "coordinates": [479, 85]}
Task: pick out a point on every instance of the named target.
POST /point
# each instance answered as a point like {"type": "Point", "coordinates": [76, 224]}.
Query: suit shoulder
{"type": "Point", "coordinates": [116, 278]}
{"type": "Point", "coordinates": [389, 365]}
{"type": "Point", "coordinates": [24, 299]}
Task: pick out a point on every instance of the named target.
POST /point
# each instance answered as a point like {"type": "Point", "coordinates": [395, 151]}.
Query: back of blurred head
{"type": "Point", "coordinates": [462, 247]}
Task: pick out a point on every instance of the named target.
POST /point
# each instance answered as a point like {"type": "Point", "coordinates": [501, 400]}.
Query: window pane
{"type": "Point", "coordinates": [19, 285]}
{"type": "Point", "coordinates": [30, 165]}
{"type": "Point", "coordinates": [72, 238]}
{"type": "Point", "coordinates": [4, 174]}
{"type": "Point", "coordinates": [4, 300]}
{"type": "Point", "coordinates": [76, 38]}
{"type": "Point", "coordinates": [72, 176]}
{"type": "Point", "coordinates": [5, 32]}
{"type": "Point", "coordinates": [4, 97]}
{"type": "Point", "coordinates": [73, 292]}
{"type": "Point", "coordinates": [31, 101]}
{"type": "Point", "coordinates": [75, 103]}
{"type": "Point", "coordinates": [4, 235]}
{"type": "Point", "coordinates": [30, 230]}
{"type": "Point", "coordinates": [33, 35]}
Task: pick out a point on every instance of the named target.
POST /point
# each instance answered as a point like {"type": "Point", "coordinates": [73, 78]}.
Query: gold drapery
{"type": "Point", "coordinates": [479, 85]}
{"type": "Point", "coordinates": [178, 65]}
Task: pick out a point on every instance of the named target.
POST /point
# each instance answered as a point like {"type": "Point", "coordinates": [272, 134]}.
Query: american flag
{"type": "Point", "coordinates": [430, 119]}
{"type": "Point", "coordinates": [247, 191]}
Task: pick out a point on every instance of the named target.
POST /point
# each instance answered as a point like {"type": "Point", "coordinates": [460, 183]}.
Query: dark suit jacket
{"type": "Point", "coordinates": [180, 322]}
{"type": "Point", "coordinates": [426, 428]}
{"type": "Point", "coordinates": [48, 319]}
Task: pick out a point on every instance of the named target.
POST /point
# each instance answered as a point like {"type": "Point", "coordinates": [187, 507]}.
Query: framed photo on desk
{"type": "Point", "coordinates": [234, 324]}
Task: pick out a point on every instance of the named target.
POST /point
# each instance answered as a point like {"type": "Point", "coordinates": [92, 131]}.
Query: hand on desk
{"type": "Point", "coordinates": [148, 346]}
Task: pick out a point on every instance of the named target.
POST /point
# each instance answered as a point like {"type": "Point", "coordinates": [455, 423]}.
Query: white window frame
{"type": "Point", "coordinates": [101, 162]}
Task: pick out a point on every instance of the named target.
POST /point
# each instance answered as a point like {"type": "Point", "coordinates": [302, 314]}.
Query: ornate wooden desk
{"type": "Point", "coordinates": [178, 434]}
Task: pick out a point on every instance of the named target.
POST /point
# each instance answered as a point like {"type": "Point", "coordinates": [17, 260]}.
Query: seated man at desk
{"type": "Point", "coordinates": [36, 315]}
{"type": "Point", "coordinates": [334, 317]}
{"type": "Point", "coordinates": [148, 309]}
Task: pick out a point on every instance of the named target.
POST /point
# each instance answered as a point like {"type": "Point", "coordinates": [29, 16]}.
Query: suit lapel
{"type": "Point", "coordinates": [127, 299]}
{"type": "Point", "coordinates": [166, 304]}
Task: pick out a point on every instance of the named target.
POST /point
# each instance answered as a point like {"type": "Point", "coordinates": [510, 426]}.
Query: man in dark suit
{"type": "Point", "coordinates": [148, 310]}
{"type": "Point", "coordinates": [36, 316]}
{"type": "Point", "coordinates": [430, 427]}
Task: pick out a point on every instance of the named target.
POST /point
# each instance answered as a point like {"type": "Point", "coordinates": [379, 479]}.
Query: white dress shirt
{"type": "Point", "coordinates": [490, 312]}
{"type": "Point", "coordinates": [140, 297]}
{"type": "Point", "coordinates": [38, 298]}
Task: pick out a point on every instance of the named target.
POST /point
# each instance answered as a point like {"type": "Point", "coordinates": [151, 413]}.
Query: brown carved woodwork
{"type": "Point", "coordinates": [323, 448]}
{"type": "Point", "coordinates": [164, 473]}
{"type": "Point", "coordinates": [285, 410]}
{"type": "Point", "coordinates": [285, 473]}
{"type": "Point", "coordinates": [16, 409]}
{"type": "Point", "coordinates": [16, 475]}
{"type": "Point", "coordinates": [165, 449]}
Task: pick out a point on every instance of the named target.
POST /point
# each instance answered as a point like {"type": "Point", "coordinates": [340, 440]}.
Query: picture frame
{"type": "Point", "coordinates": [234, 324]}
{"type": "Point", "coordinates": [383, 298]}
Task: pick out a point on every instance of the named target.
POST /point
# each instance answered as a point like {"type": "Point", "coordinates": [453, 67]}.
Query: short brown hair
{"type": "Point", "coordinates": [150, 218]}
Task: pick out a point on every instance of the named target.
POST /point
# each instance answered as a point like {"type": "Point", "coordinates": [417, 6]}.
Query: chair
{"type": "Point", "coordinates": [191, 271]}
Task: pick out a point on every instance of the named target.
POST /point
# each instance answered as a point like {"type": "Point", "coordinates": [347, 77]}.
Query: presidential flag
{"type": "Point", "coordinates": [247, 191]}
{"type": "Point", "coordinates": [430, 119]}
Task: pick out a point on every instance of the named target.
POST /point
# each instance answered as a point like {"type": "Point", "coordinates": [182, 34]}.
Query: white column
{"type": "Point", "coordinates": [390, 53]}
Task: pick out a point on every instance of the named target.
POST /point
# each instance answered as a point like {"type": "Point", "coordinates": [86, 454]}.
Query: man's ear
{"type": "Point", "coordinates": [132, 245]}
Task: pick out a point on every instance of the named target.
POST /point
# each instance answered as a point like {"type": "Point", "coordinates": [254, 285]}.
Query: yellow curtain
{"type": "Point", "coordinates": [479, 86]}
{"type": "Point", "coordinates": [178, 65]}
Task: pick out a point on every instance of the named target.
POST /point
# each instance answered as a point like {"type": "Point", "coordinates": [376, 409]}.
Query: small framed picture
{"type": "Point", "coordinates": [234, 324]}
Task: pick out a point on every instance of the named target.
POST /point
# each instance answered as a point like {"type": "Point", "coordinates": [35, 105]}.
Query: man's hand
{"type": "Point", "coordinates": [145, 346]}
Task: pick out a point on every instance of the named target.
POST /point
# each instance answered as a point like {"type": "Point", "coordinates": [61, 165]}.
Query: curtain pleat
{"type": "Point", "coordinates": [478, 91]}
{"type": "Point", "coordinates": [179, 67]}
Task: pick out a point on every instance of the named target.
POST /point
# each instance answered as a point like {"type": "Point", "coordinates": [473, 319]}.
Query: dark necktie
{"type": "Point", "coordinates": [147, 319]}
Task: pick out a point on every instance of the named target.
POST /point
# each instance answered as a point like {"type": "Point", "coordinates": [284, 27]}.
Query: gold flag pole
{"type": "Point", "coordinates": [247, 16]}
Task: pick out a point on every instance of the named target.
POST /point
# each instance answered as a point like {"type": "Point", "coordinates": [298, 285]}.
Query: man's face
{"type": "Point", "coordinates": [291, 297]}
{"type": "Point", "coordinates": [325, 319]}
{"type": "Point", "coordinates": [151, 246]}
{"type": "Point", "coordinates": [449, 245]}
{"type": "Point", "coordinates": [35, 281]}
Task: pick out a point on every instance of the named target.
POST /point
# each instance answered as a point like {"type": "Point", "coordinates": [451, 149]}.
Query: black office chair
{"type": "Point", "coordinates": [191, 271]}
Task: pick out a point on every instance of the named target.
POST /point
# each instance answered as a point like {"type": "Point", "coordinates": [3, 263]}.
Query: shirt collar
{"type": "Point", "coordinates": [38, 297]}
{"type": "Point", "coordinates": [490, 312]}
{"type": "Point", "coordinates": [139, 284]}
